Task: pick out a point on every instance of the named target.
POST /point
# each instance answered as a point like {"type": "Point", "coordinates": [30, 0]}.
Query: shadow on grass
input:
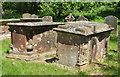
{"type": "Point", "coordinates": [7, 52]}
{"type": "Point", "coordinates": [103, 66]}
{"type": "Point", "coordinates": [112, 50]}
{"type": "Point", "coordinates": [118, 23]}
{"type": "Point", "coordinates": [51, 60]}
{"type": "Point", "coordinates": [111, 57]}
{"type": "Point", "coordinates": [108, 69]}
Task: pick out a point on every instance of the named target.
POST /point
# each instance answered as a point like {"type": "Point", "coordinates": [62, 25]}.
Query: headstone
{"type": "Point", "coordinates": [70, 18]}
{"type": "Point", "coordinates": [112, 21]}
{"type": "Point", "coordinates": [82, 18]}
{"type": "Point", "coordinates": [119, 41]}
{"type": "Point", "coordinates": [34, 16]}
{"type": "Point", "coordinates": [26, 15]}
{"type": "Point", "coordinates": [47, 19]}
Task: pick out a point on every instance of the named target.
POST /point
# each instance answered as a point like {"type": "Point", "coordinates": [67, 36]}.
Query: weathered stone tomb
{"type": "Point", "coordinates": [26, 17]}
{"type": "Point", "coordinates": [3, 27]}
{"type": "Point", "coordinates": [32, 37]}
{"type": "Point", "coordinates": [82, 42]}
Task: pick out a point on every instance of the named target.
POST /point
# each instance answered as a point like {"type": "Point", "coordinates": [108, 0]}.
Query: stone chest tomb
{"type": "Point", "coordinates": [32, 37]}
{"type": "Point", "coordinates": [26, 18]}
{"type": "Point", "coordinates": [82, 42]}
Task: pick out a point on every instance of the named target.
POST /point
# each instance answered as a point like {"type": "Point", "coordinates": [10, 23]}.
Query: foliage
{"type": "Point", "coordinates": [59, 10]}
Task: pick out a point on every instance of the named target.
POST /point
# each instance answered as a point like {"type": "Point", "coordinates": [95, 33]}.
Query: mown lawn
{"type": "Point", "coordinates": [20, 67]}
{"type": "Point", "coordinates": [17, 67]}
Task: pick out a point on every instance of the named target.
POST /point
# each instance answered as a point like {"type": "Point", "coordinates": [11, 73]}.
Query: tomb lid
{"type": "Point", "coordinates": [84, 27]}
{"type": "Point", "coordinates": [30, 19]}
{"type": "Point", "coordinates": [4, 21]}
{"type": "Point", "coordinates": [8, 20]}
{"type": "Point", "coordinates": [32, 24]}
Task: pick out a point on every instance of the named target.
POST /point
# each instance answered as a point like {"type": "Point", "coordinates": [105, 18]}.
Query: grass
{"type": "Point", "coordinates": [113, 43]}
{"type": "Point", "coordinates": [25, 68]}
{"type": "Point", "coordinates": [20, 67]}
{"type": "Point", "coordinates": [112, 67]}
{"type": "Point", "coordinates": [5, 46]}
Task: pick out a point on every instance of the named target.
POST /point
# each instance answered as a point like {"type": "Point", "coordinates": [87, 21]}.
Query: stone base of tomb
{"type": "Point", "coordinates": [5, 36]}
{"type": "Point", "coordinates": [28, 56]}
{"type": "Point", "coordinates": [22, 57]}
{"type": "Point", "coordinates": [4, 30]}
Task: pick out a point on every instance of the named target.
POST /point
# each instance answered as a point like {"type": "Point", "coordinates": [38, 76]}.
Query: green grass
{"type": "Point", "coordinates": [20, 67]}
{"type": "Point", "coordinates": [16, 67]}
{"type": "Point", "coordinates": [5, 46]}
{"type": "Point", "coordinates": [112, 63]}
{"type": "Point", "coordinates": [113, 44]}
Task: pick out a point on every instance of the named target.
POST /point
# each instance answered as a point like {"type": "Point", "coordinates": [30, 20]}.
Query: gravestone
{"type": "Point", "coordinates": [82, 18]}
{"type": "Point", "coordinates": [112, 21]}
{"type": "Point", "coordinates": [47, 19]}
{"type": "Point", "coordinates": [34, 16]}
{"type": "Point", "coordinates": [26, 15]}
{"type": "Point", "coordinates": [119, 41]}
{"type": "Point", "coordinates": [70, 18]}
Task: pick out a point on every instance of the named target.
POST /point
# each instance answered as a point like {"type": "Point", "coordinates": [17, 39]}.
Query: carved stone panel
{"type": "Point", "coordinates": [18, 42]}
{"type": "Point", "coordinates": [67, 54]}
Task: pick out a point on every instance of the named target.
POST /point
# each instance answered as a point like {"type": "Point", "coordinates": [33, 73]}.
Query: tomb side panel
{"type": "Point", "coordinates": [44, 39]}
{"type": "Point", "coordinates": [19, 42]}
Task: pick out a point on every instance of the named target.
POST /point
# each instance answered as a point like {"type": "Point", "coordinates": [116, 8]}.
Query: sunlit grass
{"type": "Point", "coordinates": [5, 46]}
{"type": "Point", "coordinates": [113, 44]}
{"type": "Point", "coordinates": [20, 67]}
